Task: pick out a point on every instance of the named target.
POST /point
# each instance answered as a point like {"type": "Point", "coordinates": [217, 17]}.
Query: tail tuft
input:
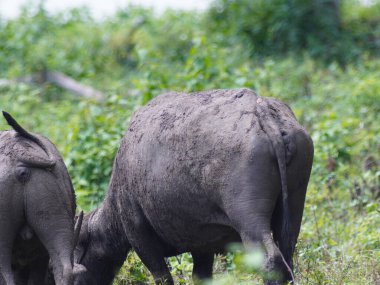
{"type": "Point", "coordinates": [21, 131]}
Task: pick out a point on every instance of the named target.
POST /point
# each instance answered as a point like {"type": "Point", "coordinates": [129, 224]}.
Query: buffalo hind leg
{"type": "Point", "coordinates": [59, 247]}
{"type": "Point", "coordinates": [202, 265]}
{"type": "Point", "coordinates": [6, 276]}
{"type": "Point", "coordinates": [274, 267]}
{"type": "Point", "coordinates": [9, 223]}
{"type": "Point", "coordinates": [284, 243]}
{"type": "Point", "coordinates": [54, 227]}
{"type": "Point", "coordinates": [252, 220]}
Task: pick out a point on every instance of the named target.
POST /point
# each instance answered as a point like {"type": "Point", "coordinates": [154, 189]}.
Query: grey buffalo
{"type": "Point", "coordinates": [37, 210]}
{"type": "Point", "coordinates": [198, 171]}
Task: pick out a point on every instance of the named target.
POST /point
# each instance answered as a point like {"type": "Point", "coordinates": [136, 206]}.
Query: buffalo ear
{"type": "Point", "coordinates": [37, 161]}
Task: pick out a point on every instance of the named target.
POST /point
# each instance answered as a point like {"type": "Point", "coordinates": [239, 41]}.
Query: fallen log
{"type": "Point", "coordinates": [6, 82]}
{"type": "Point", "coordinates": [69, 84]}
{"type": "Point", "coordinates": [58, 79]}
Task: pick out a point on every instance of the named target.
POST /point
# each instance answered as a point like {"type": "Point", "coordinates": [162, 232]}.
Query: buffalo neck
{"type": "Point", "coordinates": [106, 223]}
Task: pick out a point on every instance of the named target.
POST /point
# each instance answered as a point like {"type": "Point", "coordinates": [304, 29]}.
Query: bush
{"type": "Point", "coordinates": [328, 30]}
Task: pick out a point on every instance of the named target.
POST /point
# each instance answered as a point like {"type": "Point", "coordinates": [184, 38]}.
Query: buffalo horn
{"type": "Point", "coordinates": [78, 225]}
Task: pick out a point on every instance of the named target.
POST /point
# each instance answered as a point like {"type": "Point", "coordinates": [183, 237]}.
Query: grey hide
{"type": "Point", "coordinates": [37, 210]}
{"type": "Point", "coordinates": [195, 172]}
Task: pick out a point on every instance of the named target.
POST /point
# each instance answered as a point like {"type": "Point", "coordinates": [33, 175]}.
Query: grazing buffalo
{"type": "Point", "coordinates": [37, 210]}
{"type": "Point", "coordinates": [198, 171]}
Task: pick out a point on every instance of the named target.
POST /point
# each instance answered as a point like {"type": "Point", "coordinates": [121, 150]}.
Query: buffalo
{"type": "Point", "coordinates": [198, 171]}
{"type": "Point", "coordinates": [37, 211]}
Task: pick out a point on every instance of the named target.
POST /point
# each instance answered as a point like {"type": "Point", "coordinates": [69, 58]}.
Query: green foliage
{"type": "Point", "coordinates": [363, 21]}
{"type": "Point", "coordinates": [327, 29]}
{"type": "Point", "coordinates": [95, 131]}
{"type": "Point", "coordinates": [340, 107]}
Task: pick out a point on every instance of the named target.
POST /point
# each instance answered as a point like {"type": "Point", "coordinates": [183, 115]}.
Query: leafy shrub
{"type": "Point", "coordinates": [94, 136]}
{"type": "Point", "coordinates": [329, 30]}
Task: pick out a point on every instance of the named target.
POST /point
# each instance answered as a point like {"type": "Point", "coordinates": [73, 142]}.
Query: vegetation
{"type": "Point", "coordinates": [328, 72]}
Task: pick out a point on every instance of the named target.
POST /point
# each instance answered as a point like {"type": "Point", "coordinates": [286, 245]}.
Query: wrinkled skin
{"type": "Point", "coordinates": [37, 210]}
{"type": "Point", "coordinates": [195, 172]}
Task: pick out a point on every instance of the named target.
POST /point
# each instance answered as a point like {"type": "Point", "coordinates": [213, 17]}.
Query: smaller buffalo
{"type": "Point", "coordinates": [198, 171]}
{"type": "Point", "coordinates": [37, 211]}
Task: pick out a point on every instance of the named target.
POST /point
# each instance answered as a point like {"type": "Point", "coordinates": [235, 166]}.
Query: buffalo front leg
{"type": "Point", "coordinates": [202, 268]}
{"type": "Point", "coordinates": [148, 247]}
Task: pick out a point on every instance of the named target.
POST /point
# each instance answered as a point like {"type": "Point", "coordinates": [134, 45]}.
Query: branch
{"type": "Point", "coordinates": [61, 80]}
{"type": "Point", "coordinates": [58, 79]}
